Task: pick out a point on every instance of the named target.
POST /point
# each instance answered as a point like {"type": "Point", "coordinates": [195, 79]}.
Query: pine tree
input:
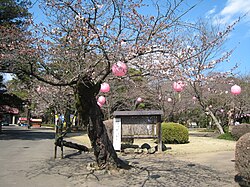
{"type": "Point", "coordinates": [13, 12]}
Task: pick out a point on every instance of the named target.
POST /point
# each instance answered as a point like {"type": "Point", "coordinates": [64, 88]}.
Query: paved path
{"type": "Point", "coordinates": [22, 151]}
{"type": "Point", "coordinates": [26, 160]}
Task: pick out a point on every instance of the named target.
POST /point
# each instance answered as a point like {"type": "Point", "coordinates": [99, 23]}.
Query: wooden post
{"type": "Point", "coordinates": [56, 136]}
{"type": "Point", "coordinates": [55, 152]}
{"type": "Point", "coordinates": [60, 132]}
{"type": "Point", "coordinates": [159, 137]}
{"type": "Point", "coordinates": [62, 148]}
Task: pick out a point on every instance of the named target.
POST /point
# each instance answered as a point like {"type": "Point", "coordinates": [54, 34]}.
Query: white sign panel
{"type": "Point", "coordinates": [117, 133]}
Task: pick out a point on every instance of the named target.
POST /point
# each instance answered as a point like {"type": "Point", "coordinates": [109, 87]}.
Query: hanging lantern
{"type": "Point", "coordinates": [194, 98]}
{"type": "Point", "coordinates": [99, 104]}
{"type": "Point", "coordinates": [178, 86]}
{"type": "Point", "coordinates": [139, 99]}
{"type": "Point", "coordinates": [119, 69]}
{"type": "Point", "coordinates": [101, 100]}
{"type": "Point", "coordinates": [235, 90]}
{"type": "Point", "coordinates": [169, 100]}
{"type": "Point", "coordinates": [105, 87]}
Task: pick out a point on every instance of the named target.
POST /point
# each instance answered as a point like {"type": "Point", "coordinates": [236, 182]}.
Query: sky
{"type": "Point", "coordinates": [224, 12]}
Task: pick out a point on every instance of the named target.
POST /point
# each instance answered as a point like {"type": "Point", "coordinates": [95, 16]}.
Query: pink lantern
{"type": "Point", "coordinates": [105, 87]}
{"type": "Point", "coordinates": [169, 99]}
{"type": "Point", "coordinates": [99, 104]}
{"type": "Point", "coordinates": [119, 69]}
{"type": "Point", "coordinates": [178, 86]}
{"type": "Point", "coordinates": [139, 99]}
{"type": "Point", "coordinates": [235, 90]}
{"type": "Point", "coordinates": [101, 100]}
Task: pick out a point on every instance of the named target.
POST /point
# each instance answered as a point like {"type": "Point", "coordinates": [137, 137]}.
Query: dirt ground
{"type": "Point", "coordinates": [204, 161]}
{"type": "Point", "coordinates": [199, 142]}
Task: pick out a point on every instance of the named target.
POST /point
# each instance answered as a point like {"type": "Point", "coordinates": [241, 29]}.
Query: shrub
{"type": "Point", "coordinates": [226, 136]}
{"type": "Point", "coordinates": [242, 160]}
{"type": "Point", "coordinates": [239, 130]}
{"type": "Point", "coordinates": [174, 133]}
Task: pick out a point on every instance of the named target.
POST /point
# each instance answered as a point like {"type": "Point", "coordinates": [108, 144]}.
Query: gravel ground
{"type": "Point", "coordinates": [199, 142]}
{"type": "Point", "coordinates": [204, 161]}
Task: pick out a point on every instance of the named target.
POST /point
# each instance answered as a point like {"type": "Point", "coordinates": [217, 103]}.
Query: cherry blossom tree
{"type": "Point", "coordinates": [80, 41]}
{"type": "Point", "coordinates": [192, 58]}
{"type": "Point", "coordinates": [201, 70]}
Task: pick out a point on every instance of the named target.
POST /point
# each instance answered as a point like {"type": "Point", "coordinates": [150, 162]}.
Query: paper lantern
{"type": "Point", "coordinates": [169, 99]}
{"type": "Point", "coordinates": [194, 98]}
{"type": "Point", "coordinates": [235, 90]}
{"type": "Point", "coordinates": [119, 69]}
{"type": "Point", "coordinates": [139, 99]}
{"type": "Point", "coordinates": [105, 87]}
{"type": "Point", "coordinates": [178, 86]}
{"type": "Point", "coordinates": [101, 100]}
{"type": "Point", "coordinates": [99, 104]}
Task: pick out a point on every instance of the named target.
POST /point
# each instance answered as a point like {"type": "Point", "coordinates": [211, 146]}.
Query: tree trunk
{"type": "Point", "coordinates": [60, 142]}
{"type": "Point", "coordinates": [217, 123]}
{"type": "Point", "coordinates": [86, 92]}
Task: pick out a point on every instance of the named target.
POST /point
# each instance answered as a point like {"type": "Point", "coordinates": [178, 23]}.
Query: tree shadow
{"type": "Point", "coordinates": [155, 170]}
{"type": "Point", "coordinates": [22, 133]}
{"type": "Point", "coordinates": [168, 171]}
{"type": "Point", "coordinates": [71, 155]}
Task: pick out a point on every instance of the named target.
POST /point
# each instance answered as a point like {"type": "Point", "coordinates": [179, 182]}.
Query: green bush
{"type": "Point", "coordinates": [239, 130]}
{"type": "Point", "coordinates": [174, 133]}
{"type": "Point", "coordinates": [226, 136]}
